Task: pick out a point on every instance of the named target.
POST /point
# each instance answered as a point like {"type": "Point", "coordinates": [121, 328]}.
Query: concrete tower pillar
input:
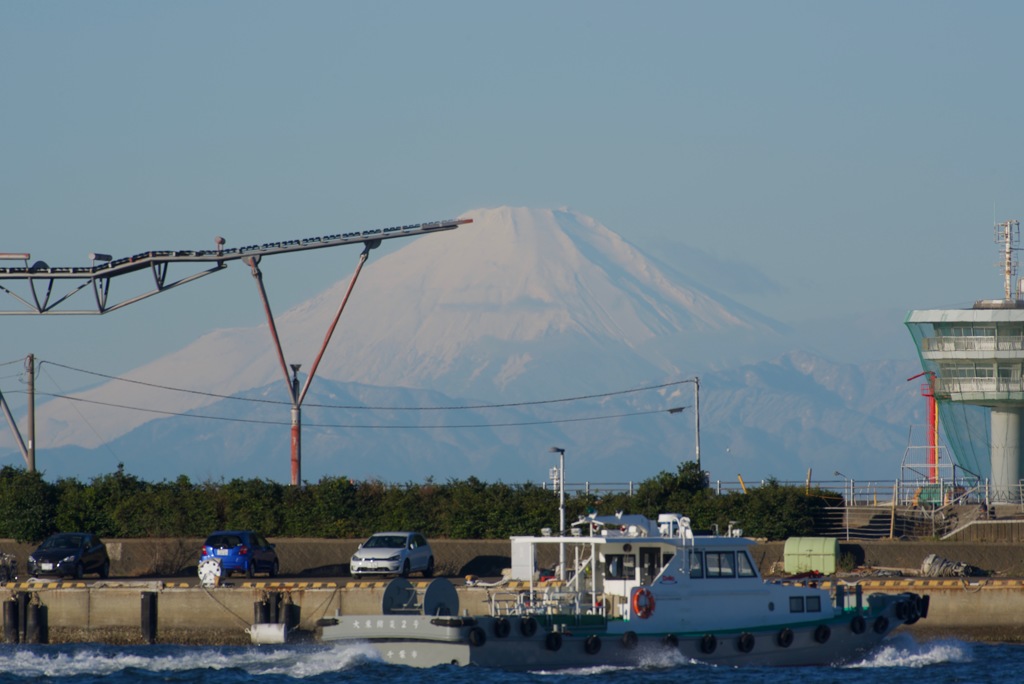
{"type": "Point", "coordinates": [1007, 423]}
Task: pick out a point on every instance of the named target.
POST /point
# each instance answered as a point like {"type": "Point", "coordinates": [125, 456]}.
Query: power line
{"type": "Point", "coordinates": [351, 426]}
{"type": "Point", "coordinates": [377, 408]}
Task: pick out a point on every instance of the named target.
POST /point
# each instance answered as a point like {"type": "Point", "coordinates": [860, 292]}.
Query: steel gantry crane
{"type": "Point", "coordinates": [39, 280]}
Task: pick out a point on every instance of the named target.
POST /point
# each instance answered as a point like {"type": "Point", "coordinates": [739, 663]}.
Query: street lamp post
{"type": "Point", "coordinates": [561, 509]}
{"type": "Point", "coordinates": [696, 418]}
{"type": "Point", "coordinates": [847, 483]}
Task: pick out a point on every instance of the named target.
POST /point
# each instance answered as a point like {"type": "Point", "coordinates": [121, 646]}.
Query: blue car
{"type": "Point", "coordinates": [242, 551]}
{"type": "Point", "coordinates": [70, 554]}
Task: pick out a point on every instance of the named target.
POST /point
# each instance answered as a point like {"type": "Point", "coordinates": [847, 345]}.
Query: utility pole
{"type": "Point", "coordinates": [30, 452]}
{"type": "Point", "coordinates": [27, 452]}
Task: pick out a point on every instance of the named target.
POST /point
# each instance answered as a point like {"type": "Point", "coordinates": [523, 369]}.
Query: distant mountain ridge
{"type": "Point", "coordinates": [522, 305]}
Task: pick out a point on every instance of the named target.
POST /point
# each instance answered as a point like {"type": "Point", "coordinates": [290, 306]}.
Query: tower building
{"type": "Point", "coordinates": [976, 357]}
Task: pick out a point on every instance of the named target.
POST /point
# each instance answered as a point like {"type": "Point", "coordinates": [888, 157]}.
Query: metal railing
{"type": "Point", "coordinates": [910, 507]}
{"type": "Point", "coordinates": [914, 491]}
{"type": "Point", "coordinates": [947, 386]}
{"type": "Point", "coordinates": [984, 343]}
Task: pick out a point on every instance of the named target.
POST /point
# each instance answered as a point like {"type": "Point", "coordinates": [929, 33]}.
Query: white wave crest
{"type": "Point", "coordinates": [99, 660]}
{"type": "Point", "coordinates": [903, 651]}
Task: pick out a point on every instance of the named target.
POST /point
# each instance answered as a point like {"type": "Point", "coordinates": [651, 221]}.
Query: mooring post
{"type": "Point", "coordinates": [274, 599]}
{"type": "Point", "coordinates": [11, 621]}
{"type": "Point", "coordinates": [32, 624]}
{"type": "Point", "coordinates": [23, 598]}
{"type": "Point", "coordinates": [261, 612]}
{"type": "Point", "coordinates": [149, 606]}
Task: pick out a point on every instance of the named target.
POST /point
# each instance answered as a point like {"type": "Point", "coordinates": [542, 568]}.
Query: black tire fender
{"type": "Point", "coordinates": [708, 643]}
{"type": "Point", "coordinates": [745, 642]}
{"type": "Point", "coordinates": [592, 644]}
{"type": "Point", "coordinates": [822, 634]}
{"type": "Point", "coordinates": [553, 641]}
{"type": "Point", "coordinates": [477, 637]}
{"type": "Point", "coordinates": [527, 627]}
{"type": "Point", "coordinates": [785, 637]}
{"type": "Point", "coordinates": [502, 627]}
{"type": "Point", "coordinates": [881, 625]}
{"type": "Point", "coordinates": [629, 640]}
{"type": "Point", "coordinates": [670, 641]}
{"type": "Point", "coordinates": [858, 625]}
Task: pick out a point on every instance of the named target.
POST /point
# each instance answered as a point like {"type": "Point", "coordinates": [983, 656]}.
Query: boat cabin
{"type": "Point", "coordinates": [606, 558]}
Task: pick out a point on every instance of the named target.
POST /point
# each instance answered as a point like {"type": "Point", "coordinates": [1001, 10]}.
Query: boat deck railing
{"type": "Point", "coordinates": [546, 601]}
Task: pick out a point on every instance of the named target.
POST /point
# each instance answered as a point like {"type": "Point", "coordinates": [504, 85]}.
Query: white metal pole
{"type": "Point", "coordinates": [696, 411]}
{"type": "Point", "coordinates": [561, 513]}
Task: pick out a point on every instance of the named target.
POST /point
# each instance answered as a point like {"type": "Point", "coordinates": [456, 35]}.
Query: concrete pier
{"type": "Point", "coordinates": [974, 608]}
{"type": "Point", "coordinates": [979, 609]}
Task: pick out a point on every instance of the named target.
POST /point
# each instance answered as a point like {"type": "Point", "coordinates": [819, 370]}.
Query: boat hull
{"type": "Point", "coordinates": [546, 643]}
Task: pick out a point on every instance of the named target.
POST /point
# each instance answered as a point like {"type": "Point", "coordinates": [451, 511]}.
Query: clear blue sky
{"type": "Point", "coordinates": [855, 154]}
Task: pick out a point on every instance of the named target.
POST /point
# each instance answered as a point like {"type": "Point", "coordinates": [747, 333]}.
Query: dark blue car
{"type": "Point", "coordinates": [70, 554]}
{"type": "Point", "coordinates": [241, 551]}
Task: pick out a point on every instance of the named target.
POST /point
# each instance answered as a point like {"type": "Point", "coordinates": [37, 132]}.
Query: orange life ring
{"type": "Point", "coordinates": [643, 603]}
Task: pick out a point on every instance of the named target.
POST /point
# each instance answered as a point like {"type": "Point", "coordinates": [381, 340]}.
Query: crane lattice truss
{"type": "Point", "coordinates": [41, 280]}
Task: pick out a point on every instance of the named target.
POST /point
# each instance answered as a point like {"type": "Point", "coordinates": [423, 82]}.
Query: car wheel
{"type": "Point", "coordinates": [105, 570]}
{"type": "Point", "coordinates": [405, 568]}
{"type": "Point", "coordinates": [250, 569]}
{"type": "Point", "coordinates": [79, 570]}
{"type": "Point", "coordinates": [275, 569]}
{"type": "Point", "coordinates": [355, 575]}
{"type": "Point", "coordinates": [429, 572]}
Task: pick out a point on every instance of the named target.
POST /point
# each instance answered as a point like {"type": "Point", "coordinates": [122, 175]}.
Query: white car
{"type": "Point", "coordinates": [393, 553]}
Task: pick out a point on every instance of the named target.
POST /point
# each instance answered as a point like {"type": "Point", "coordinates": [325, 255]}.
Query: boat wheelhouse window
{"type": "Point", "coordinates": [696, 564]}
{"type": "Point", "coordinates": [797, 604]}
{"type": "Point", "coordinates": [746, 568]}
{"type": "Point", "coordinates": [620, 566]}
{"type": "Point", "coordinates": [720, 563]}
{"type": "Point", "coordinates": [649, 568]}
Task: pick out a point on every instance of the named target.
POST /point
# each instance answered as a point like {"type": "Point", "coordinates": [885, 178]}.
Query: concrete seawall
{"type": "Point", "coordinates": [982, 608]}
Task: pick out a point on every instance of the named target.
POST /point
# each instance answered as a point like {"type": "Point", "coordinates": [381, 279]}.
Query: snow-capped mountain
{"type": "Point", "coordinates": [522, 305]}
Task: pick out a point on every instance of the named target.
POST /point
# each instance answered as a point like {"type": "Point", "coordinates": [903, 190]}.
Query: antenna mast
{"type": "Point", "coordinates": [1008, 233]}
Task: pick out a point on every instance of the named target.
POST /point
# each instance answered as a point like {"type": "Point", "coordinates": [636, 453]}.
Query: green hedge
{"type": "Point", "coordinates": [120, 505]}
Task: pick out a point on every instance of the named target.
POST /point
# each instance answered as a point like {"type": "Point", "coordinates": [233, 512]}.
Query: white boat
{"type": "Point", "coordinates": [634, 591]}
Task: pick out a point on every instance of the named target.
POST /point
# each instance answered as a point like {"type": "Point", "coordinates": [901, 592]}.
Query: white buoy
{"type": "Point", "coordinates": [267, 633]}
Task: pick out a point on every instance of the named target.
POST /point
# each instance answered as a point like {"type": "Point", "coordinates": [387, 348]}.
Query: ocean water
{"type": "Point", "coordinates": [899, 659]}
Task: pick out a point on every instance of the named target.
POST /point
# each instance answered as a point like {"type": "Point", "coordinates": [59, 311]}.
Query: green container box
{"type": "Point", "coordinates": [811, 554]}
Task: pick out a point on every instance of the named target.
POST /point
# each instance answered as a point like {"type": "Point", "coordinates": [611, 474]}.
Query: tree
{"type": "Point", "coordinates": [27, 505]}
